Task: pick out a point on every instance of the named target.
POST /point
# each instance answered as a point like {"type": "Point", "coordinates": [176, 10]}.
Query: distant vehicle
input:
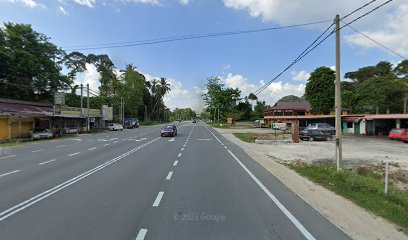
{"type": "Point", "coordinates": [168, 130]}
{"type": "Point", "coordinates": [194, 121]}
{"type": "Point", "coordinates": [115, 126]}
{"type": "Point", "coordinates": [132, 123]}
{"type": "Point", "coordinates": [397, 133]}
{"type": "Point", "coordinates": [313, 134]}
{"type": "Point", "coordinates": [322, 126]}
{"type": "Point", "coordinates": [41, 133]}
{"type": "Point", "coordinates": [260, 123]}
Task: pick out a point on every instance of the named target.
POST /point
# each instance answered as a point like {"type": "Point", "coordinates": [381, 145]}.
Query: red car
{"type": "Point", "coordinates": [397, 133]}
{"type": "Point", "coordinates": [168, 130]}
{"type": "Point", "coordinates": [404, 137]}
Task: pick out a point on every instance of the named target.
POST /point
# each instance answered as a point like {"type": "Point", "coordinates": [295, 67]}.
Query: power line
{"type": "Point", "coordinates": [378, 43]}
{"type": "Point", "coordinates": [358, 9]}
{"type": "Point", "coordinates": [309, 48]}
{"type": "Point", "coordinates": [186, 37]}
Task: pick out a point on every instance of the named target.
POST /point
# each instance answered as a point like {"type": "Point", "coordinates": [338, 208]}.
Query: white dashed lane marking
{"type": "Point", "coordinates": [158, 199]}
{"type": "Point", "coordinates": [169, 175]}
{"type": "Point", "coordinates": [175, 163]}
{"type": "Point", "coordinates": [141, 235]}
{"type": "Point", "coordinates": [5, 174]}
{"type": "Point", "coordinates": [39, 150]}
{"type": "Point", "coordinates": [42, 163]}
{"type": "Point", "coordinates": [92, 149]}
{"type": "Point", "coordinates": [73, 154]}
{"type": "Point", "coordinates": [9, 156]}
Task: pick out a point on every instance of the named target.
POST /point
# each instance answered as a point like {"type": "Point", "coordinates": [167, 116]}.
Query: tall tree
{"type": "Point", "coordinates": [29, 64]}
{"type": "Point", "coordinates": [290, 98]}
{"type": "Point", "coordinates": [75, 63]}
{"type": "Point", "coordinates": [320, 90]}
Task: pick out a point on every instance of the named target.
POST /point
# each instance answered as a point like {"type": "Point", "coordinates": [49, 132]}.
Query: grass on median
{"type": "Point", "coordinates": [250, 137]}
{"type": "Point", "coordinates": [365, 187]}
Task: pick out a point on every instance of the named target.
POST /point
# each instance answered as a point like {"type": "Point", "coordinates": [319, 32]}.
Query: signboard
{"type": "Point", "coordinates": [229, 120]}
{"type": "Point", "coordinates": [74, 111]}
{"type": "Point", "coordinates": [59, 98]}
{"type": "Point", "coordinates": [92, 119]}
{"type": "Point", "coordinates": [107, 113]}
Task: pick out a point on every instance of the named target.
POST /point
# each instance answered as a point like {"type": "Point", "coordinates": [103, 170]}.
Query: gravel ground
{"type": "Point", "coordinates": [352, 219]}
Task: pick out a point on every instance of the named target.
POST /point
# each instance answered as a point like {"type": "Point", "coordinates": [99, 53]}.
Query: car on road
{"type": "Point", "coordinates": [397, 133]}
{"type": "Point", "coordinates": [313, 134]}
{"type": "Point", "coordinates": [168, 130]}
{"type": "Point", "coordinates": [194, 121]}
{"type": "Point", "coordinates": [115, 126]}
{"type": "Point", "coordinates": [40, 133]}
{"type": "Point", "coordinates": [322, 126]}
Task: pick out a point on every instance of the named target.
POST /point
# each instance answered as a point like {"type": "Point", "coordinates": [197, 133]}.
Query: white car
{"type": "Point", "coordinates": [115, 126]}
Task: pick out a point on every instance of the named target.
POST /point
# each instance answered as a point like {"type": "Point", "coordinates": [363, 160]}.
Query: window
{"type": "Point", "coordinates": [349, 125]}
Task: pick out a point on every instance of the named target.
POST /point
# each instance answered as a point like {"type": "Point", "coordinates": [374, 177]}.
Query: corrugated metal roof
{"type": "Point", "coordinates": [291, 105]}
{"type": "Point", "coordinates": [25, 108]}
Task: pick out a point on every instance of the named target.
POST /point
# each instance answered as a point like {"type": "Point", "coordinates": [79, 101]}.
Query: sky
{"type": "Point", "coordinates": [246, 61]}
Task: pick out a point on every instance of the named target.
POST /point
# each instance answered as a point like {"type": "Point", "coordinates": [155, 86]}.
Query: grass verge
{"type": "Point", "coordinates": [228, 126]}
{"type": "Point", "coordinates": [250, 137]}
{"type": "Point", "coordinates": [363, 187]}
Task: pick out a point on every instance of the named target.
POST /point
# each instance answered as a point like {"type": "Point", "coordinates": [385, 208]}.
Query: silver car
{"type": "Point", "coordinates": [41, 133]}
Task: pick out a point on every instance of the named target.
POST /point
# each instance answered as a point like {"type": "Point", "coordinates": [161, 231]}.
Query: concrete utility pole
{"type": "Point", "coordinates": [339, 150]}
{"type": "Point", "coordinates": [405, 104]}
{"type": "Point", "coordinates": [82, 97]}
{"type": "Point", "coordinates": [87, 106]}
{"type": "Point", "coordinates": [218, 113]}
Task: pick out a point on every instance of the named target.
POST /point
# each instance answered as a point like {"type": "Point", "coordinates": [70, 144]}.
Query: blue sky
{"type": "Point", "coordinates": [244, 61]}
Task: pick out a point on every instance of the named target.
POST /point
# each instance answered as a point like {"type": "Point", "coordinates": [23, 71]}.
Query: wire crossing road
{"type": "Point", "coordinates": [134, 184]}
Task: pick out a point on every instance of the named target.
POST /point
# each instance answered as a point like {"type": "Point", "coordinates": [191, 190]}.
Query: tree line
{"type": "Point", "coordinates": [372, 89]}
{"type": "Point", "coordinates": [33, 69]}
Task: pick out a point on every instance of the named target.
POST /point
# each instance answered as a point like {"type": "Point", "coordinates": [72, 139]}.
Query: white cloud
{"type": "Point", "coordinates": [62, 10]}
{"type": "Point", "coordinates": [152, 2]}
{"type": "Point", "coordinates": [28, 3]}
{"type": "Point", "coordinates": [300, 76]}
{"type": "Point", "coordinates": [90, 76]}
{"type": "Point", "coordinates": [271, 94]}
{"type": "Point", "coordinates": [180, 97]}
{"type": "Point", "coordinates": [387, 25]}
{"type": "Point", "coordinates": [392, 32]}
{"type": "Point", "coordinates": [184, 2]}
{"type": "Point", "coordinates": [88, 3]}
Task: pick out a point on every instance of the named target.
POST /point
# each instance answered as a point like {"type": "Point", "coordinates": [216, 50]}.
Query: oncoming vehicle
{"type": "Point", "coordinates": [41, 133]}
{"type": "Point", "coordinates": [312, 134]}
{"type": "Point", "coordinates": [115, 126]}
{"type": "Point", "coordinates": [397, 133]}
{"type": "Point", "coordinates": [168, 130]}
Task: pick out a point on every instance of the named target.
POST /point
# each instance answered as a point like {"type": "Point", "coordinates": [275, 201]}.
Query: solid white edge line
{"type": "Point", "coordinates": [5, 174]}
{"type": "Point", "coordinates": [158, 199]}
{"type": "Point", "coordinates": [33, 200]}
{"type": "Point", "coordinates": [175, 163]}
{"type": "Point", "coordinates": [141, 235]}
{"type": "Point", "coordinates": [288, 214]}
{"type": "Point", "coordinates": [169, 175]}
{"type": "Point", "coordinates": [52, 160]}
{"type": "Point", "coordinates": [9, 156]}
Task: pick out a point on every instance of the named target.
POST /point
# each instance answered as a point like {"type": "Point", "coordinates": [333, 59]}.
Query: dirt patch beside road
{"type": "Point", "coordinates": [353, 220]}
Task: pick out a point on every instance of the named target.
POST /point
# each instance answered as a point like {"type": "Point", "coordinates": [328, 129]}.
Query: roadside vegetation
{"type": "Point", "coordinates": [250, 137]}
{"type": "Point", "coordinates": [364, 187]}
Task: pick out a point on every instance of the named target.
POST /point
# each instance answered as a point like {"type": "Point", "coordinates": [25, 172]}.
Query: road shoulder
{"type": "Point", "coordinates": [350, 218]}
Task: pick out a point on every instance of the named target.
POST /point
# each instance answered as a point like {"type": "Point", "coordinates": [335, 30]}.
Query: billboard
{"type": "Point", "coordinates": [107, 113]}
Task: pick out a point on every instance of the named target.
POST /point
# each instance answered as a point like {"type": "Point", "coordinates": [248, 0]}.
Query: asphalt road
{"type": "Point", "coordinates": [133, 184]}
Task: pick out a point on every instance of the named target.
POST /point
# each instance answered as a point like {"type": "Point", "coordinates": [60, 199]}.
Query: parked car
{"type": "Point", "coordinates": [404, 137]}
{"type": "Point", "coordinates": [397, 133]}
{"type": "Point", "coordinates": [313, 134]}
{"type": "Point", "coordinates": [41, 133]}
{"type": "Point", "coordinates": [194, 121]}
{"type": "Point", "coordinates": [168, 130]}
{"type": "Point", "coordinates": [322, 126]}
{"type": "Point", "coordinates": [115, 126]}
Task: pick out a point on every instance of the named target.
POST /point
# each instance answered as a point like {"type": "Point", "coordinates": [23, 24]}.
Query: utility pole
{"type": "Point", "coordinates": [405, 104]}
{"type": "Point", "coordinates": [339, 150]}
{"type": "Point", "coordinates": [82, 101]}
{"type": "Point", "coordinates": [218, 113]}
{"type": "Point", "coordinates": [145, 118]}
{"type": "Point", "coordinates": [87, 106]}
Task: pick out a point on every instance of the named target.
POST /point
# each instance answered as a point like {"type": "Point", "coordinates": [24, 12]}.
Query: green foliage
{"type": "Point", "coordinates": [183, 114]}
{"type": "Point", "coordinates": [366, 190]}
{"type": "Point", "coordinates": [320, 90]}
{"type": "Point", "coordinates": [259, 109]}
{"type": "Point", "coordinates": [29, 64]}
{"type": "Point", "coordinates": [291, 98]}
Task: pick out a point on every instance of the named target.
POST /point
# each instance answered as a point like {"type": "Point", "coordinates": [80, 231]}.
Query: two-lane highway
{"type": "Point", "coordinates": [136, 185]}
